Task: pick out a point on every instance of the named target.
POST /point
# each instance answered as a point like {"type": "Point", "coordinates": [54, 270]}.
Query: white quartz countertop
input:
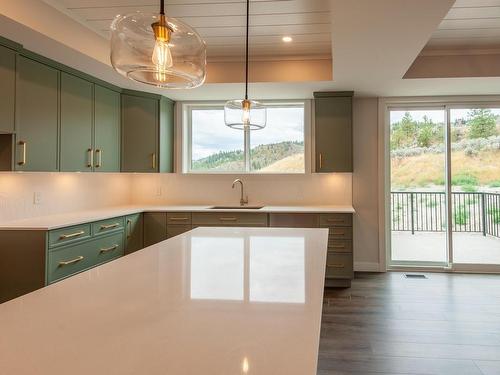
{"type": "Point", "coordinates": [216, 301]}
{"type": "Point", "coordinates": [75, 218]}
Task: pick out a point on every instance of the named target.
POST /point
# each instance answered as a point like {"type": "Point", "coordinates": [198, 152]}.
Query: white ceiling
{"type": "Point", "coordinates": [221, 23]}
{"type": "Point", "coordinates": [470, 24]}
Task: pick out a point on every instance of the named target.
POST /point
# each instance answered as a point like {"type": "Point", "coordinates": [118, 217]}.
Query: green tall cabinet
{"type": "Point", "coordinates": [107, 130]}
{"type": "Point", "coordinates": [37, 113]}
{"type": "Point", "coordinates": [7, 88]}
{"type": "Point", "coordinates": [147, 133]}
{"type": "Point", "coordinates": [76, 150]}
{"type": "Point", "coordinates": [333, 131]}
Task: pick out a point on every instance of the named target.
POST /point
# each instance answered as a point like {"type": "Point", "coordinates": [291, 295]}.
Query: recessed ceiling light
{"type": "Point", "coordinates": [287, 39]}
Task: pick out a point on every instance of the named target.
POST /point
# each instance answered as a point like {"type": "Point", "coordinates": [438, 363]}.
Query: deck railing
{"type": "Point", "coordinates": [426, 212]}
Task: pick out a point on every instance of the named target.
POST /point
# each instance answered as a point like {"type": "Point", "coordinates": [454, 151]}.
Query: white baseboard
{"type": "Point", "coordinates": [367, 267]}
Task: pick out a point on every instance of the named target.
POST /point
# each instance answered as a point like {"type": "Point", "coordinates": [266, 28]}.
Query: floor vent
{"type": "Point", "coordinates": [415, 276]}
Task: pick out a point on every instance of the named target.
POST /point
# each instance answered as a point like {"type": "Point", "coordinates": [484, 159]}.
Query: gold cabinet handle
{"type": "Point", "coordinates": [98, 153]}
{"type": "Point", "coordinates": [153, 160]}
{"type": "Point", "coordinates": [90, 158]}
{"type": "Point", "coordinates": [320, 160]}
{"type": "Point", "coordinates": [335, 265]}
{"type": "Point", "coordinates": [71, 235]}
{"type": "Point", "coordinates": [227, 219]}
{"type": "Point", "coordinates": [23, 145]}
{"type": "Point", "coordinates": [129, 228]}
{"type": "Point", "coordinates": [338, 246]}
{"type": "Point", "coordinates": [338, 232]}
{"type": "Point", "coordinates": [68, 262]}
{"type": "Point", "coordinates": [107, 249]}
{"type": "Point", "coordinates": [109, 226]}
{"type": "Point", "coordinates": [178, 219]}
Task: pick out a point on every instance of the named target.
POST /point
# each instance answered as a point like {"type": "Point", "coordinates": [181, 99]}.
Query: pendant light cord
{"type": "Point", "coordinates": [162, 7]}
{"type": "Point", "coordinates": [246, 52]}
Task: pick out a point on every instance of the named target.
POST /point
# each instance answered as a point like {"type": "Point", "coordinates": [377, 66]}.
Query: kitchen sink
{"type": "Point", "coordinates": [236, 207]}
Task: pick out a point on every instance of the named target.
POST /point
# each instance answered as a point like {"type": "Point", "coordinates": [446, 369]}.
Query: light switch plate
{"type": "Point", "coordinates": [37, 197]}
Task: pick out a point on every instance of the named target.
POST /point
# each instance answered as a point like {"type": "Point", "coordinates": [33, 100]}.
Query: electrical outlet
{"type": "Point", "coordinates": [37, 197]}
{"type": "Point", "coordinates": [159, 191]}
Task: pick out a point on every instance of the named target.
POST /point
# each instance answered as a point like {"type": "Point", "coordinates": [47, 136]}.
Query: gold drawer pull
{"type": "Point", "coordinates": [71, 235]}
{"type": "Point", "coordinates": [107, 249]}
{"type": "Point", "coordinates": [335, 265]}
{"type": "Point", "coordinates": [178, 218]}
{"type": "Point", "coordinates": [109, 226]}
{"type": "Point", "coordinates": [23, 145]}
{"type": "Point", "coordinates": [338, 246]}
{"type": "Point", "coordinates": [338, 232]}
{"type": "Point", "coordinates": [228, 219]}
{"type": "Point", "coordinates": [68, 262]}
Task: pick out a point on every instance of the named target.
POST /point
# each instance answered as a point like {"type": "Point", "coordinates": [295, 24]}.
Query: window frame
{"type": "Point", "coordinates": [184, 137]}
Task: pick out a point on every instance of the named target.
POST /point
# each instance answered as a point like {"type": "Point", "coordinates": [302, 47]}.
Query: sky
{"type": "Point", "coordinates": [210, 135]}
{"type": "Point", "coordinates": [434, 115]}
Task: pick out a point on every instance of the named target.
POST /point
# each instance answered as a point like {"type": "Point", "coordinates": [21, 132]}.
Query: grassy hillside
{"type": "Point", "coordinates": [262, 157]}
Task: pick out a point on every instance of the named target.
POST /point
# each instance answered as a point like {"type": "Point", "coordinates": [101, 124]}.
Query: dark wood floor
{"type": "Point", "coordinates": [387, 324]}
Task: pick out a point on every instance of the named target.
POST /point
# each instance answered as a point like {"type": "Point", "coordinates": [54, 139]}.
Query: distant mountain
{"type": "Point", "coordinates": [262, 156]}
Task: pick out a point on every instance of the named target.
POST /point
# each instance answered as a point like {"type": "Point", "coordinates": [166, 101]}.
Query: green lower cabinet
{"type": "Point", "coordinates": [68, 260]}
{"type": "Point", "coordinates": [155, 227]}
{"type": "Point", "coordinates": [134, 236]}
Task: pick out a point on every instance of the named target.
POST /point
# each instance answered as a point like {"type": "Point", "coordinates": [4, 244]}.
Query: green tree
{"type": "Point", "coordinates": [482, 123]}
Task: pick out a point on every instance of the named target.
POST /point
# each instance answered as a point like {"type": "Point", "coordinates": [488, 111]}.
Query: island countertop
{"type": "Point", "coordinates": [211, 301]}
{"type": "Point", "coordinates": [56, 221]}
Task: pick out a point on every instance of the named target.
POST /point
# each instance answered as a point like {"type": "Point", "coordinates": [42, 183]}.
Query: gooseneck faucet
{"type": "Point", "coordinates": [243, 201]}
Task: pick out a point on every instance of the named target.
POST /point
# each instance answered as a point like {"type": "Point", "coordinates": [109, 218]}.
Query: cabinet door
{"type": "Point", "coordinates": [76, 124]}
{"type": "Point", "coordinates": [107, 130]}
{"type": "Point", "coordinates": [333, 134]}
{"type": "Point", "coordinates": [139, 134]}
{"type": "Point", "coordinates": [155, 227]}
{"type": "Point", "coordinates": [7, 89]}
{"type": "Point", "coordinates": [36, 116]}
{"type": "Point", "coordinates": [134, 239]}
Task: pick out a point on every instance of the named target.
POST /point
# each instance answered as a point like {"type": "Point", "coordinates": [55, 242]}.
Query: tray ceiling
{"type": "Point", "coordinates": [470, 24]}
{"type": "Point", "coordinates": [222, 23]}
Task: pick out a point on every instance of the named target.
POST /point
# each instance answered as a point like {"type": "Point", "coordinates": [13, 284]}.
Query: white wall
{"type": "Point", "coordinates": [365, 185]}
{"type": "Point", "coordinates": [60, 192]}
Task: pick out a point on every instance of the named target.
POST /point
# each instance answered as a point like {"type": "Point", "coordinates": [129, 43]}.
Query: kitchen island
{"type": "Point", "coordinates": [209, 301]}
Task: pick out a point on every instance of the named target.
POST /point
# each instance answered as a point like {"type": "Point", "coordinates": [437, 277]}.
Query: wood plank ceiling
{"type": "Point", "coordinates": [470, 24]}
{"type": "Point", "coordinates": [222, 23]}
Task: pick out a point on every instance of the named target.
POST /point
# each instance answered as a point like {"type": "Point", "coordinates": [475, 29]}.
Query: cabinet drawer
{"type": "Point", "coordinates": [294, 220]}
{"type": "Point", "coordinates": [108, 225]}
{"type": "Point", "coordinates": [229, 219]}
{"type": "Point", "coordinates": [175, 230]}
{"type": "Point", "coordinates": [107, 248]}
{"type": "Point", "coordinates": [340, 233]}
{"type": "Point", "coordinates": [331, 220]}
{"type": "Point", "coordinates": [339, 266]}
{"type": "Point", "coordinates": [68, 235]}
{"type": "Point", "coordinates": [179, 218]}
{"type": "Point", "coordinates": [68, 260]}
{"type": "Point", "coordinates": [340, 246]}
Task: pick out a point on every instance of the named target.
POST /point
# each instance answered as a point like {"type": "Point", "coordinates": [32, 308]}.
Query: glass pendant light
{"type": "Point", "coordinates": [158, 50]}
{"type": "Point", "coordinates": [245, 114]}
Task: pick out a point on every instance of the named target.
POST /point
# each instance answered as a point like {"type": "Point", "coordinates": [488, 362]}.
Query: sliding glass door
{"type": "Point", "coordinates": [418, 189]}
{"type": "Point", "coordinates": [445, 187]}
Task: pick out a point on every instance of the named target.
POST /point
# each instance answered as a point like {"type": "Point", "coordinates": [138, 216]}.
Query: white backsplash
{"type": "Point", "coordinates": [308, 189]}
{"type": "Point", "coordinates": [60, 192]}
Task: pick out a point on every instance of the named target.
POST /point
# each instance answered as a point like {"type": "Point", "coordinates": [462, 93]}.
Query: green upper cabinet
{"type": "Point", "coordinates": [333, 131]}
{"type": "Point", "coordinates": [147, 133]}
{"type": "Point", "coordinates": [106, 130]}
{"type": "Point", "coordinates": [37, 113]}
{"type": "Point", "coordinates": [76, 124]}
{"type": "Point", "coordinates": [7, 89]}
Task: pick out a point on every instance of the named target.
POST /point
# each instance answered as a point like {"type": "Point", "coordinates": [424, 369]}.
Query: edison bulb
{"type": "Point", "coordinates": [162, 58]}
{"type": "Point", "coordinates": [245, 117]}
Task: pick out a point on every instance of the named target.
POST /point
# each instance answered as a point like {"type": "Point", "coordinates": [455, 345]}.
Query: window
{"type": "Point", "coordinates": [212, 147]}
